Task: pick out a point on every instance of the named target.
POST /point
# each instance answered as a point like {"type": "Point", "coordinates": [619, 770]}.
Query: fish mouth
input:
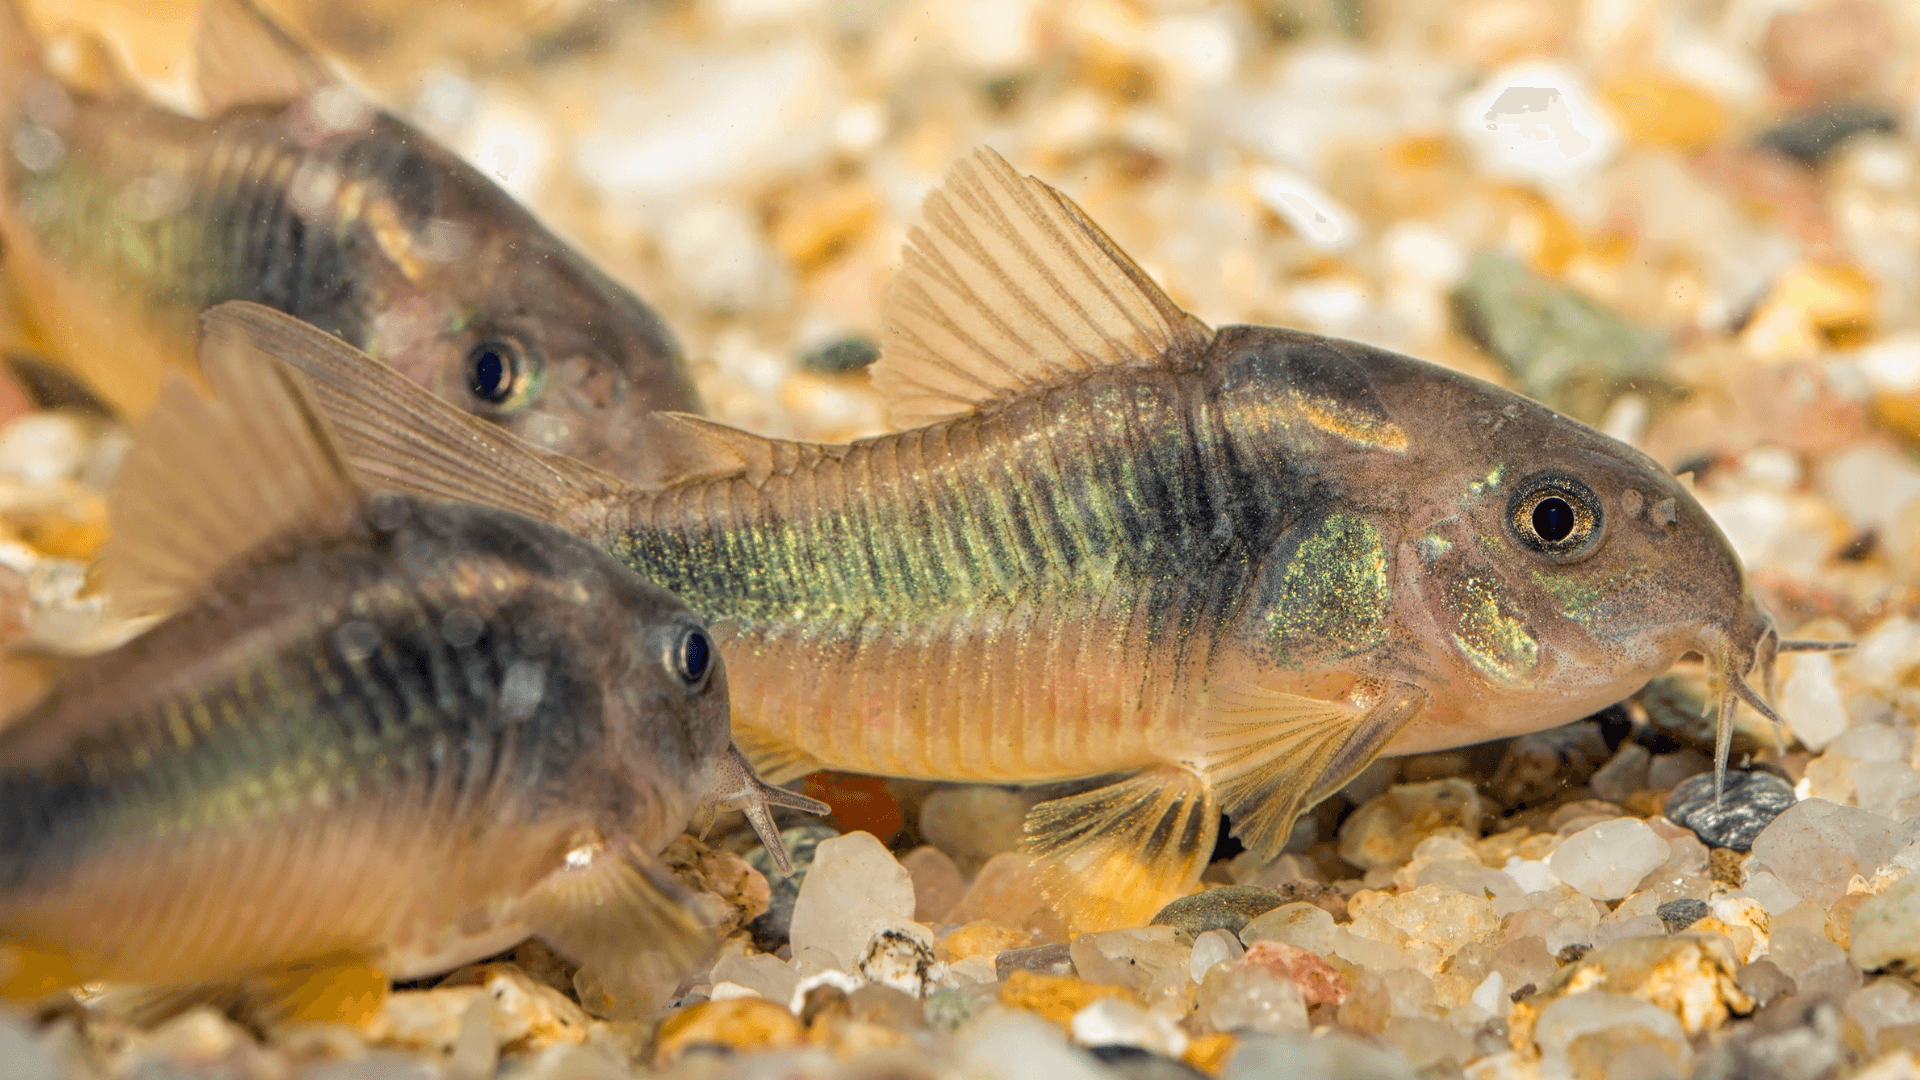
{"type": "Point", "coordinates": [1733, 656]}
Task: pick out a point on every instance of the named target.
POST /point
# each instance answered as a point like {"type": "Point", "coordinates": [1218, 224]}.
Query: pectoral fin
{"type": "Point", "coordinates": [1113, 856]}
{"type": "Point", "coordinates": [1273, 755]}
{"type": "Point", "coordinates": [617, 906]}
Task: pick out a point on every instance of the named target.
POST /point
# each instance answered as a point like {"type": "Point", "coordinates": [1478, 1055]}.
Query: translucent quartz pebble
{"type": "Point", "coordinates": [1606, 860]}
{"type": "Point", "coordinates": [1250, 998]}
{"type": "Point", "coordinates": [1383, 832]}
{"type": "Point", "coordinates": [1815, 964]}
{"type": "Point", "coordinates": [1018, 1045]}
{"type": "Point", "coordinates": [1810, 701]}
{"type": "Point", "coordinates": [1888, 788]}
{"type": "Point", "coordinates": [1434, 1047]}
{"type": "Point", "coordinates": [1474, 879]}
{"type": "Point", "coordinates": [1749, 803]}
{"type": "Point", "coordinates": [1211, 948]}
{"type": "Point", "coordinates": [767, 975]}
{"type": "Point", "coordinates": [937, 884]}
{"type": "Point", "coordinates": [1623, 775]}
{"type": "Point", "coordinates": [1815, 847]}
{"type": "Point", "coordinates": [853, 891]}
{"type": "Point", "coordinates": [1307, 926]}
{"type": "Point", "coordinates": [1612, 1036]}
{"type": "Point", "coordinates": [1885, 932]}
{"type": "Point", "coordinates": [1886, 1003]}
{"type": "Point", "coordinates": [1333, 1056]}
{"type": "Point", "coordinates": [1115, 1021]}
{"type": "Point", "coordinates": [974, 823]}
{"type": "Point", "coordinates": [1147, 961]}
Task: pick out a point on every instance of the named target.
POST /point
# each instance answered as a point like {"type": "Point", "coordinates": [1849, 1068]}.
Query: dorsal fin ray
{"type": "Point", "coordinates": [209, 480]}
{"type": "Point", "coordinates": [1010, 287]}
{"type": "Point", "coordinates": [399, 436]}
{"type": "Point", "coordinates": [242, 57]}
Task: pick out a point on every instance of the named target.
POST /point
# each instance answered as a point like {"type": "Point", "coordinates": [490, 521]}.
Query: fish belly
{"type": "Point", "coordinates": [1006, 697]}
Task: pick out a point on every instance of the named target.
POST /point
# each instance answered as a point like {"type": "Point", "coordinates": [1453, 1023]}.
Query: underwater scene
{"type": "Point", "coordinates": [1030, 539]}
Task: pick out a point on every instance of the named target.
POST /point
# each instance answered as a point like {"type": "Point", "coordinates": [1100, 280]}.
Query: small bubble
{"type": "Point", "coordinates": [38, 148]}
{"type": "Point", "coordinates": [313, 187]}
{"type": "Point", "coordinates": [461, 628]}
{"type": "Point", "coordinates": [522, 689]}
{"type": "Point", "coordinates": [356, 639]}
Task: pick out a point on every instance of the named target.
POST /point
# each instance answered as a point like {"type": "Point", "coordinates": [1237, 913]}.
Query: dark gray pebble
{"type": "Point", "coordinates": [1809, 139]}
{"type": "Point", "coordinates": [1134, 1063]}
{"type": "Point", "coordinates": [1750, 803]}
{"type": "Point", "coordinates": [1682, 913]}
{"type": "Point", "coordinates": [1046, 959]}
{"type": "Point", "coordinates": [840, 357]}
{"type": "Point", "coordinates": [1228, 908]}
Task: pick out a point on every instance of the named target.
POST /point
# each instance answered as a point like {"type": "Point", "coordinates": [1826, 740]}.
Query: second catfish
{"type": "Point", "coordinates": [1225, 569]}
{"type": "Point", "coordinates": [122, 220]}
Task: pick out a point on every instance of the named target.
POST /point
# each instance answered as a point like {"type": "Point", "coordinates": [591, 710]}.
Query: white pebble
{"type": "Point", "coordinates": [854, 890]}
{"type": "Point", "coordinates": [1211, 948]}
{"type": "Point", "coordinates": [1810, 702]}
{"type": "Point", "coordinates": [43, 448]}
{"type": "Point", "coordinates": [1114, 1021]}
{"type": "Point", "coordinates": [1605, 861]}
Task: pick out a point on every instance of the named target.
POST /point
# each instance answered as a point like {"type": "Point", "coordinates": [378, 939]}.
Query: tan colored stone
{"type": "Point", "coordinates": [738, 1023]}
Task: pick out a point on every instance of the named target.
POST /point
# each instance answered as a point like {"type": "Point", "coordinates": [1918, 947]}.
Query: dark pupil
{"type": "Point", "coordinates": [695, 654]}
{"type": "Point", "coordinates": [489, 374]}
{"type": "Point", "coordinates": [1553, 519]}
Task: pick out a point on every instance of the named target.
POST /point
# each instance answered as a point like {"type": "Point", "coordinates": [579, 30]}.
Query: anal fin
{"type": "Point", "coordinates": [1115, 855]}
{"type": "Point", "coordinates": [1272, 755]}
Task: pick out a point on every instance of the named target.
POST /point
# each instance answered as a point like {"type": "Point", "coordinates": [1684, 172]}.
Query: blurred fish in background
{"type": "Point", "coordinates": [122, 220]}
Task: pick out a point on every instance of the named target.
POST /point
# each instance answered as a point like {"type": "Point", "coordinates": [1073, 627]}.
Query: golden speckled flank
{"type": "Point", "coordinates": [1496, 643]}
{"type": "Point", "coordinates": [1334, 590]}
{"type": "Point", "coordinates": [1076, 495]}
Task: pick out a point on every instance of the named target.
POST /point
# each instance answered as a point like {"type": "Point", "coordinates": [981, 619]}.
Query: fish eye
{"type": "Point", "coordinates": [1557, 516]}
{"type": "Point", "coordinates": [502, 372]}
{"type": "Point", "coordinates": [692, 657]}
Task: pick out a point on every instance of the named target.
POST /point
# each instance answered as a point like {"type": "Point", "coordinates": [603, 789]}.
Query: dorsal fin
{"type": "Point", "coordinates": [208, 481]}
{"type": "Point", "coordinates": [1010, 287]}
{"type": "Point", "coordinates": [397, 435]}
{"type": "Point", "coordinates": [241, 57]}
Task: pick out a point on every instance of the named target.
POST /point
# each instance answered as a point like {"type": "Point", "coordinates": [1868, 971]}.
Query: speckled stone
{"type": "Point", "coordinates": [1054, 959]}
{"type": "Point", "coordinates": [1228, 908]}
{"type": "Point", "coordinates": [1748, 805]}
{"type": "Point", "coordinates": [1682, 913]}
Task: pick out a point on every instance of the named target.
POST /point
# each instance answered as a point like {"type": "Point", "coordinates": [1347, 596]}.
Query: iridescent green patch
{"type": "Point", "coordinates": [1334, 590]}
{"type": "Point", "coordinates": [1496, 643]}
